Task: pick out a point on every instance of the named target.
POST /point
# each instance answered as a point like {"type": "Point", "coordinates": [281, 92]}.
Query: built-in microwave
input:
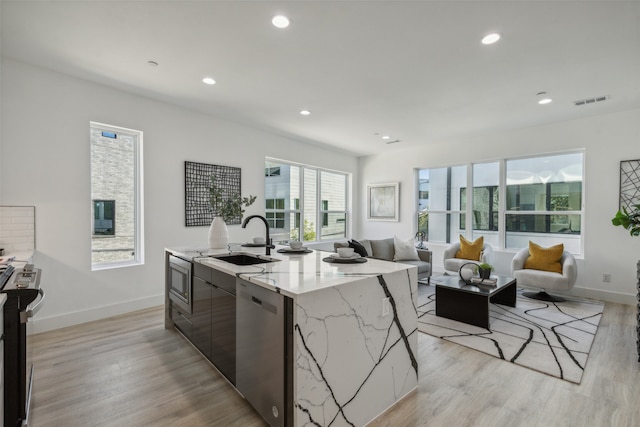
{"type": "Point", "coordinates": [180, 288]}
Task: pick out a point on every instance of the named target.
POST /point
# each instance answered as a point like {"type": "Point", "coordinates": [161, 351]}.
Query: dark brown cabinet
{"type": "Point", "coordinates": [214, 318]}
{"type": "Point", "coordinates": [201, 317]}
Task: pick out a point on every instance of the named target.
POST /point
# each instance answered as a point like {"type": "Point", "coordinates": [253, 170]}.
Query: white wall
{"type": "Point", "coordinates": [45, 163]}
{"type": "Point", "coordinates": [607, 139]}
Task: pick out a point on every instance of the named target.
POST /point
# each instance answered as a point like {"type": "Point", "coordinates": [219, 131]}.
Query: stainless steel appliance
{"type": "Point", "coordinates": [264, 352]}
{"type": "Point", "coordinates": [24, 299]}
{"type": "Point", "coordinates": [180, 284]}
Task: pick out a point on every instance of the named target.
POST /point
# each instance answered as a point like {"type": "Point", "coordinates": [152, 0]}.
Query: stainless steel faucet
{"type": "Point", "coordinates": [268, 245]}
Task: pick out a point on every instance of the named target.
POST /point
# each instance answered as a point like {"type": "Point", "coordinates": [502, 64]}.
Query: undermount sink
{"type": "Point", "coordinates": [244, 259]}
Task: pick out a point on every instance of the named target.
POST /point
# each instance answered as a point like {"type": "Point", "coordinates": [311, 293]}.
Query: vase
{"type": "Point", "coordinates": [218, 234]}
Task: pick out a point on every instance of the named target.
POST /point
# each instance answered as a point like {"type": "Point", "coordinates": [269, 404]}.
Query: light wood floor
{"type": "Point", "coordinates": [130, 371]}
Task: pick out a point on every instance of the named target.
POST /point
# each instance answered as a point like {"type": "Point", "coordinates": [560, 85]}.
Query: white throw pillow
{"type": "Point", "coordinates": [404, 250]}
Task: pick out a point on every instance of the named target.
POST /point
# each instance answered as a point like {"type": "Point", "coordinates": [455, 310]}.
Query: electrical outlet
{"type": "Point", "coordinates": [606, 277]}
{"type": "Point", "coordinates": [386, 306]}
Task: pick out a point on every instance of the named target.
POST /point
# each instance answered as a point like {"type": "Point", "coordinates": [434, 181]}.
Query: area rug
{"type": "Point", "coordinates": [553, 338]}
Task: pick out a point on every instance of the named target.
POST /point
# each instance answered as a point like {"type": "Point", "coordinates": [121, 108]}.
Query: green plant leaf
{"type": "Point", "coordinates": [628, 221]}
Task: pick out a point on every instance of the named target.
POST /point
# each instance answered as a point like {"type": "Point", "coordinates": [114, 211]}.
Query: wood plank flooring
{"type": "Point", "coordinates": [130, 371]}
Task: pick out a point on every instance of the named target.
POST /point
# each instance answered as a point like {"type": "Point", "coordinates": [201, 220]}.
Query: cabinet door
{"type": "Point", "coordinates": [201, 317]}
{"type": "Point", "coordinates": [223, 333]}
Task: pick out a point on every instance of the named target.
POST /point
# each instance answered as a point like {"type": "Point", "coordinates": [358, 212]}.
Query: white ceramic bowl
{"type": "Point", "coordinates": [295, 244]}
{"type": "Point", "coordinates": [345, 252]}
{"type": "Point", "coordinates": [258, 240]}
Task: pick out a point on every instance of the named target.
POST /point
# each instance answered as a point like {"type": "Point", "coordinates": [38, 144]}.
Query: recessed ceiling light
{"type": "Point", "coordinates": [280, 21]}
{"type": "Point", "coordinates": [305, 112]}
{"type": "Point", "coordinates": [543, 98]}
{"type": "Point", "coordinates": [386, 137]}
{"type": "Point", "coordinates": [491, 38]}
{"type": "Point", "coordinates": [209, 81]}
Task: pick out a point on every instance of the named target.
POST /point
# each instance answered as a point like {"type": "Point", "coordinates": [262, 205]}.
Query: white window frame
{"type": "Point", "coordinates": [138, 258]}
{"type": "Point", "coordinates": [319, 211]}
{"type": "Point", "coordinates": [502, 232]}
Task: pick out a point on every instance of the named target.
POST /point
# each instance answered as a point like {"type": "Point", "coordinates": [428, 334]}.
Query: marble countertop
{"type": "Point", "coordinates": [292, 274]}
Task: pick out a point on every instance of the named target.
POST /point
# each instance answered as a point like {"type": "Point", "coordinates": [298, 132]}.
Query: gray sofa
{"type": "Point", "coordinates": [384, 249]}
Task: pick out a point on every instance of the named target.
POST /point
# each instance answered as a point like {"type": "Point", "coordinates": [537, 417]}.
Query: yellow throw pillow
{"type": "Point", "coordinates": [470, 250]}
{"type": "Point", "coordinates": [545, 259]}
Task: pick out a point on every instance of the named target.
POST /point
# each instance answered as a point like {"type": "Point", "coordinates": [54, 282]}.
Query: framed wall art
{"type": "Point", "coordinates": [197, 182]}
{"type": "Point", "coordinates": [629, 184]}
{"type": "Point", "coordinates": [383, 201]}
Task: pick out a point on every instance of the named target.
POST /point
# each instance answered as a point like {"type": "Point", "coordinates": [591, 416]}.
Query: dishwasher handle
{"type": "Point", "coordinates": [264, 304]}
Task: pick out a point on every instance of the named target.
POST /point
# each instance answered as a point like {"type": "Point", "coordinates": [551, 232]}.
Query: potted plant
{"type": "Point", "coordinates": [225, 210]}
{"type": "Point", "coordinates": [629, 221]}
{"type": "Point", "coordinates": [484, 270]}
{"type": "Point", "coordinates": [229, 207]}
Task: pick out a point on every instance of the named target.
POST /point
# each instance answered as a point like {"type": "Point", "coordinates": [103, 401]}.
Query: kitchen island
{"type": "Point", "coordinates": [353, 331]}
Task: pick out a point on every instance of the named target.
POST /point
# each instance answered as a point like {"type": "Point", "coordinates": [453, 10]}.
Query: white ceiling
{"type": "Point", "coordinates": [414, 70]}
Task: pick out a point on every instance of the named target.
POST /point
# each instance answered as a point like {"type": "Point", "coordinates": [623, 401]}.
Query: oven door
{"type": "Point", "coordinates": [26, 317]}
{"type": "Point", "coordinates": [180, 289]}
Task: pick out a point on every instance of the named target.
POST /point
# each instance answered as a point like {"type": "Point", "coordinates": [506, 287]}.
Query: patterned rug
{"type": "Point", "coordinates": [553, 338]}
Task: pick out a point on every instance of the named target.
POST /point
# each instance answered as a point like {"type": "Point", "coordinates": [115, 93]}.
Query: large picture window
{"type": "Point", "coordinates": [305, 202]}
{"type": "Point", "coordinates": [543, 202]}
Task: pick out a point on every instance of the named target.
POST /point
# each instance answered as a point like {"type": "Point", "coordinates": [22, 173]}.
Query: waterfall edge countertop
{"type": "Point", "coordinates": [353, 330]}
{"type": "Point", "coordinates": [293, 274]}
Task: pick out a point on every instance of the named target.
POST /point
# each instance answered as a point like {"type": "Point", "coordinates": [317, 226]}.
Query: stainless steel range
{"type": "Point", "coordinates": [24, 299]}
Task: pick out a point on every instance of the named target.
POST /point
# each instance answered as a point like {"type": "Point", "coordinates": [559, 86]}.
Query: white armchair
{"type": "Point", "coordinates": [544, 279]}
{"type": "Point", "coordinates": [453, 264]}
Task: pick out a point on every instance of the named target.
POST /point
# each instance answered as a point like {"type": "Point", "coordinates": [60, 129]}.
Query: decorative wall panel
{"type": "Point", "coordinates": [629, 184]}
{"type": "Point", "coordinates": [197, 182]}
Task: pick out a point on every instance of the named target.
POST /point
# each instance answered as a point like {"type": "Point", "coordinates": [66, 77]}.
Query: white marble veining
{"type": "Point", "coordinates": [352, 363]}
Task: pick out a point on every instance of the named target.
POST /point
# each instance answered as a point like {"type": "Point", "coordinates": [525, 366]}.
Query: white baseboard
{"type": "Point", "coordinates": [44, 324]}
{"type": "Point", "coordinates": [606, 296]}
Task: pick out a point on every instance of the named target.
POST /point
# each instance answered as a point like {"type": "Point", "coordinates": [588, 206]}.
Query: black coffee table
{"type": "Point", "coordinates": [470, 303]}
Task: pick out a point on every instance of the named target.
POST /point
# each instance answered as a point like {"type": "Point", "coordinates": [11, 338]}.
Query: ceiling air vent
{"type": "Point", "coordinates": [591, 100]}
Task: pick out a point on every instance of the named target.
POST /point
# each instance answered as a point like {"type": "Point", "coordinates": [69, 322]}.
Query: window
{"type": "Point", "coordinates": [439, 214]}
{"type": "Point", "coordinates": [304, 202]}
{"type": "Point", "coordinates": [275, 219]}
{"type": "Point", "coordinates": [104, 217]}
{"type": "Point", "coordinates": [270, 170]}
{"type": "Point", "coordinates": [116, 194]}
{"type": "Point", "coordinates": [325, 215]}
{"type": "Point", "coordinates": [542, 202]}
{"type": "Point", "coordinates": [485, 202]}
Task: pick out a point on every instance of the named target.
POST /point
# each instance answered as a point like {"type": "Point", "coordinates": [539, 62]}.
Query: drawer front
{"type": "Point", "coordinates": [202, 271]}
{"type": "Point", "coordinates": [224, 281]}
{"type": "Point", "coordinates": [182, 321]}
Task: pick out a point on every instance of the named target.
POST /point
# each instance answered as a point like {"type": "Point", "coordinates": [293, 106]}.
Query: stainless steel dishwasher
{"type": "Point", "coordinates": [264, 362]}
